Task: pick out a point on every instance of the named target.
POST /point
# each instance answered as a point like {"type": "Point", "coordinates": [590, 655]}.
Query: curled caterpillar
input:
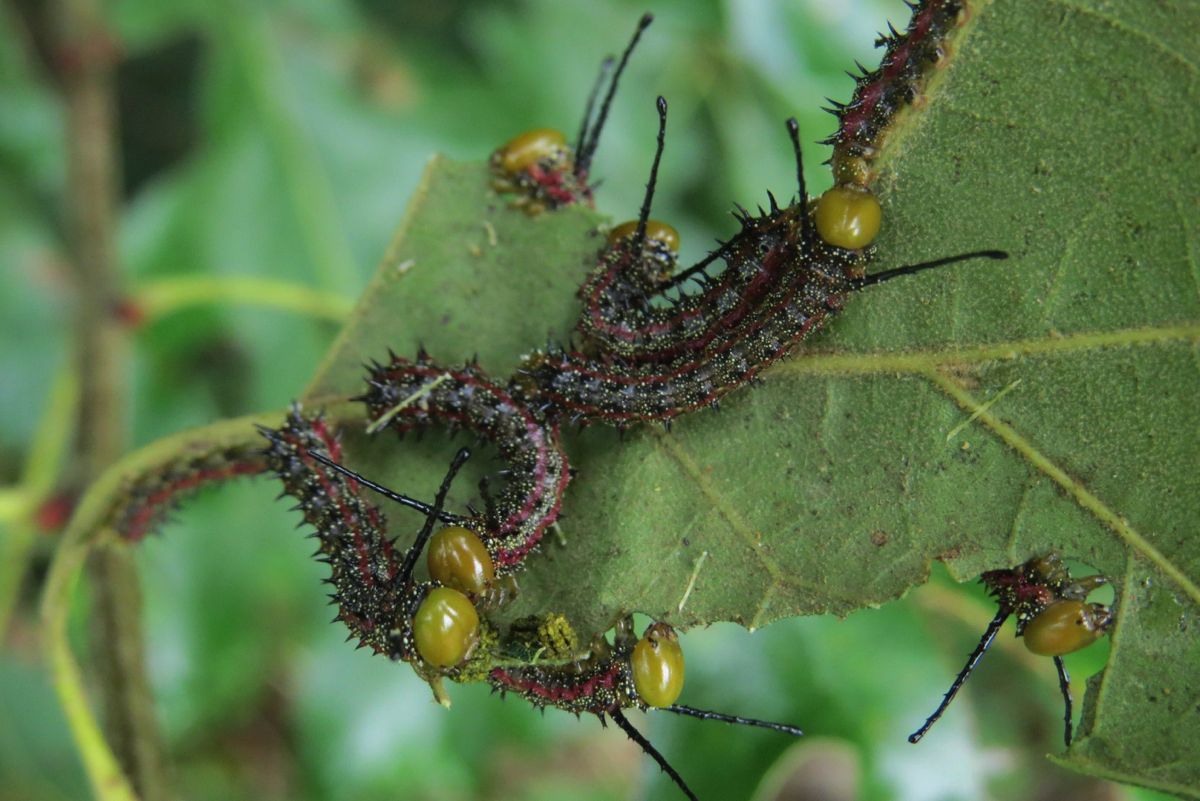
{"type": "Point", "coordinates": [1053, 619]}
{"type": "Point", "coordinates": [645, 673]}
{"type": "Point", "coordinates": [436, 627]}
{"type": "Point", "coordinates": [403, 395]}
{"type": "Point", "coordinates": [541, 169]}
{"type": "Point", "coordinates": [148, 500]}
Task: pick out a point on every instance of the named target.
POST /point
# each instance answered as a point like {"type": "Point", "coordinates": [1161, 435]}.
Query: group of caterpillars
{"type": "Point", "coordinates": [642, 359]}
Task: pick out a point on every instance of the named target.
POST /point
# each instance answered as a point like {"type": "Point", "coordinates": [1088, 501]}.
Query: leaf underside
{"type": "Point", "coordinates": [1064, 133]}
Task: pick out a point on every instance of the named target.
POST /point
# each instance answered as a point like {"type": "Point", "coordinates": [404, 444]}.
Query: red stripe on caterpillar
{"type": "Point", "coordinates": [352, 537]}
{"type": "Point", "coordinates": [592, 685]}
{"type": "Point", "coordinates": [619, 317]}
{"type": "Point", "coordinates": [407, 394]}
{"type": "Point", "coordinates": [881, 93]}
{"type": "Point", "coordinates": [152, 496]}
{"type": "Point", "coordinates": [595, 390]}
{"type": "Point", "coordinates": [643, 674]}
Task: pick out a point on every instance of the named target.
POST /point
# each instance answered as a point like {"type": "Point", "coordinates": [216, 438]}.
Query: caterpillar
{"type": "Point", "coordinates": [540, 168]}
{"type": "Point", "coordinates": [880, 94]}
{"type": "Point", "coordinates": [1053, 619]}
{"type": "Point", "coordinates": [723, 338]}
{"type": "Point", "coordinates": [148, 500]}
{"type": "Point", "coordinates": [430, 624]}
{"type": "Point", "coordinates": [403, 395]}
{"type": "Point", "coordinates": [619, 319]}
{"type": "Point", "coordinates": [637, 265]}
{"type": "Point", "coordinates": [632, 673]}
{"type": "Point", "coordinates": [436, 625]}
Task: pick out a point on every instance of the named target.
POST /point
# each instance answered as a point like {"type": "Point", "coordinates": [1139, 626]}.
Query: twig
{"type": "Point", "coordinates": [983, 407]}
{"type": "Point", "coordinates": [387, 416]}
{"type": "Point", "coordinates": [164, 296]}
{"type": "Point", "coordinates": [86, 54]}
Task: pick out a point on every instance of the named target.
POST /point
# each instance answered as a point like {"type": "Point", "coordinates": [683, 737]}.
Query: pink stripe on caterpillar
{"type": "Point", "coordinates": [592, 411]}
{"type": "Point", "coordinates": [352, 537]}
{"type": "Point", "coordinates": [414, 394]}
{"type": "Point", "coordinates": [619, 319]}
{"type": "Point", "coordinates": [900, 78]}
{"type": "Point", "coordinates": [595, 389]}
{"type": "Point", "coordinates": [155, 494]}
{"type": "Point", "coordinates": [332, 488]}
{"type": "Point", "coordinates": [587, 688]}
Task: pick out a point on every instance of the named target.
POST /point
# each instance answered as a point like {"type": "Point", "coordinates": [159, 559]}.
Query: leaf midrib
{"type": "Point", "coordinates": [920, 361]}
{"type": "Point", "coordinates": [926, 364]}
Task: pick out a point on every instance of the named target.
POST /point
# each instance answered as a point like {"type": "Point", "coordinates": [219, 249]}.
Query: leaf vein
{"type": "Point", "coordinates": [1123, 27]}
{"type": "Point", "coordinates": [921, 361]}
{"type": "Point", "coordinates": [718, 502]}
{"type": "Point", "coordinates": [1083, 496]}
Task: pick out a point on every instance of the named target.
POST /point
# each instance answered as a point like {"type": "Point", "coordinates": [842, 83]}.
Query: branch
{"type": "Point", "coordinates": [86, 55]}
{"type": "Point", "coordinates": [164, 296]}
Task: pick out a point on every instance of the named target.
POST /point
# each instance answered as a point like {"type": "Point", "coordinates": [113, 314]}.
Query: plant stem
{"type": "Point", "coordinates": [86, 531]}
{"type": "Point", "coordinates": [163, 296]}
{"type": "Point", "coordinates": [86, 57]}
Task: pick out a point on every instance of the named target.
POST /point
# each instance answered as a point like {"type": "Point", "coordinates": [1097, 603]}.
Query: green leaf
{"type": "Point", "coordinates": [981, 414]}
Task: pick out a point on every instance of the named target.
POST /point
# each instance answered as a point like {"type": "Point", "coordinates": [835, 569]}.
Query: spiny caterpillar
{"type": "Point", "coordinates": [403, 395]}
{"type": "Point", "coordinates": [645, 674]}
{"type": "Point", "coordinates": [435, 627]}
{"type": "Point", "coordinates": [880, 94]}
{"type": "Point", "coordinates": [541, 169]}
{"type": "Point", "coordinates": [148, 499]}
{"type": "Point", "coordinates": [1053, 619]}
{"type": "Point", "coordinates": [848, 214]}
{"type": "Point", "coordinates": [434, 624]}
{"type": "Point", "coordinates": [620, 321]}
{"type": "Point", "coordinates": [784, 279]}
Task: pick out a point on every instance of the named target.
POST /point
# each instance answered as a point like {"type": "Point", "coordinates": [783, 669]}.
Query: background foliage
{"type": "Point", "coordinates": [283, 141]}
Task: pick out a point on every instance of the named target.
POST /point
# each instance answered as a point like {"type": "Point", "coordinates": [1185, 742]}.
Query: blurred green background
{"type": "Point", "coordinates": [282, 140]}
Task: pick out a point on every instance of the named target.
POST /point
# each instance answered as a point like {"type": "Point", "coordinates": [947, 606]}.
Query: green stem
{"type": "Point", "coordinates": [107, 780]}
{"type": "Point", "coordinates": [14, 502]}
{"type": "Point", "coordinates": [88, 529]}
{"type": "Point", "coordinates": [165, 296]}
{"type": "Point", "coordinates": [86, 61]}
